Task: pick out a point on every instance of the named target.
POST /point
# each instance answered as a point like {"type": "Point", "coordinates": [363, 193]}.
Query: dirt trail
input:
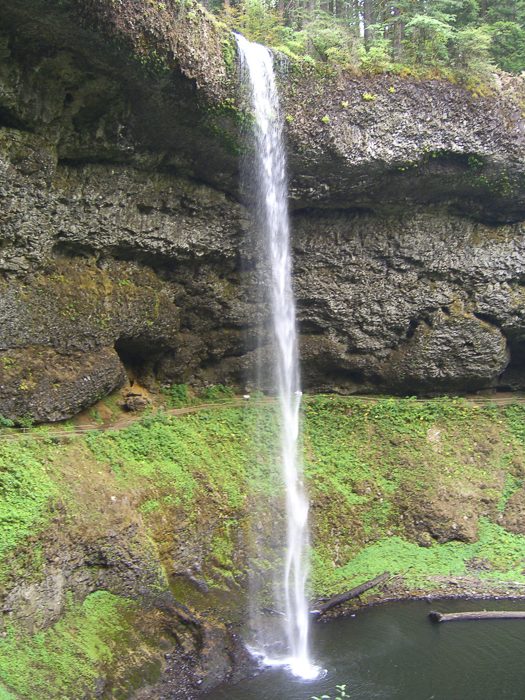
{"type": "Point", "coordinates": [127, 419]}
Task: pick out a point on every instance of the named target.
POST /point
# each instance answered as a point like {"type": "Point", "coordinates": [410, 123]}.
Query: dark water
{"type": "Point", "coordinates": [393, 652]}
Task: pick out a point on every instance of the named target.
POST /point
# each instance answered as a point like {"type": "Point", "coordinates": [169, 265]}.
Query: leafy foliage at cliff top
{"type": "Point", "coordinates": [458, 39]}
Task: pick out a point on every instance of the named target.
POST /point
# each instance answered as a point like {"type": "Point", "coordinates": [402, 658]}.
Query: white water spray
{"type": "Point", "coordinates": [271, 184]}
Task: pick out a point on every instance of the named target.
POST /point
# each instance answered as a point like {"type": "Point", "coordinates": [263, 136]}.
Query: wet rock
{"type": "Point", "coordinates": [479, 564]}
{"type": "Point", "coordinates": [442, 515]}
{"type": "Point", "coordinates": [122, 226]}
{"type": "Point", "coordinates": [448, 352]}
{"type": "Point", "coordinates": [42, 384]}
{"type": "Point", "coordinates": [135, 402]}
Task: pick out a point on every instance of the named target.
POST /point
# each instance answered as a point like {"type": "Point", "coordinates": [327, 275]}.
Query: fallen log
{"type": "Point", "coordinates": [478, 615]}
{"type": "Point", "coordinates": [352, 593]}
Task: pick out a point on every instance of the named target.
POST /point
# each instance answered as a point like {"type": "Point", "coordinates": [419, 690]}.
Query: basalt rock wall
{"type": "Point", "coordinates": [125, 244]}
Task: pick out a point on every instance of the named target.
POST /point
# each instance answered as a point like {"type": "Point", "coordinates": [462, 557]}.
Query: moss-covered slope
{"type": "Point", "coordinates": [125, 552]}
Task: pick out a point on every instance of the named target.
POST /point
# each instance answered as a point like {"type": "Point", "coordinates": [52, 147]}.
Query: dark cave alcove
{"type": "Point", "coordinates": [139, 356]}
{"type": "Point", "coordinates": [513, 378]}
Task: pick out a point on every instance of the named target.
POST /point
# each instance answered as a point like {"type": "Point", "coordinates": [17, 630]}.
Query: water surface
{"type": "Point", "coordinates": [393, 652]}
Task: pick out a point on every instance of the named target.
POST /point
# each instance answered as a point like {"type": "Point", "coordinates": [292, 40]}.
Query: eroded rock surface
{"type": "Point", "coordinates": [123, 242]}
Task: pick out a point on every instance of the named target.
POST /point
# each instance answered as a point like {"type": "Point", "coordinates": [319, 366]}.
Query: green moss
{"type": "Point", "coordinates": [512, 485]}
{"type": "Point", "coordinates": [66, 660]}
{"type": "Point", "coordinates": [149, 506]}
{"type": "Point", "coordinates": [368, 462]}
{"type": "Point", "coordinates": [223, 549]}
{"type": "Point", "coordinates": [26, 489]}
{"type": "Point", "coordinates": [502, 553]}
{"type": "Point", "coordinates": [229, 52]}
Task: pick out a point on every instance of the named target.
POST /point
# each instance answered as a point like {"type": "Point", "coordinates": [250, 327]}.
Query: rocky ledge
{"type": "Point", "coordinates": [125, 243]}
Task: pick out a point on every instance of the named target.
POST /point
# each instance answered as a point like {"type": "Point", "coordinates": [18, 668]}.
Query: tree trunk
{"type": "Point", "coordinates": [398, 31]}
{"type": "Point", "coordinates": [480, 615]}
{"type": "Point", "coordinates": [353, 593]}
{"type": "Point", "coordinates": [368, 19]}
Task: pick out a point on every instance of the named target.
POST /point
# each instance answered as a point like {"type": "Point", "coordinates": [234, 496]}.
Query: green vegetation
{"type": "Point", "coordinates": [419, 488]}
{"type": "Point", "coordinates": [459, 39]}
{"type": "Point", "coordinates": [401, 473]}
{"type": "Point", "coordinates": [179, 395]}
{"type": "Point", "coordinates": [70, 656]}
{"type": "Point", "coordinates": [501, 554]}
{"type": "Point", "coordinates": [216, 392]}
{"type": "Point", "coordinates": [180, 457]}
{"type": "Point", "coordinates": [26, 489]}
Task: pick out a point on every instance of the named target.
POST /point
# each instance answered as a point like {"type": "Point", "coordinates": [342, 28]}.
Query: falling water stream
{"type": "Point", "coordinates": [273, 222]}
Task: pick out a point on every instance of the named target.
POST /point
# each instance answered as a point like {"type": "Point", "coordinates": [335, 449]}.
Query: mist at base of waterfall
{"type": "Point", "coordinates": [394, 652]}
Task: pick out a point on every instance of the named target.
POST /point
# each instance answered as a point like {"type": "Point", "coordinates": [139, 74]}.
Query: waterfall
{"type": "Point", "coordinates": [269, 178]}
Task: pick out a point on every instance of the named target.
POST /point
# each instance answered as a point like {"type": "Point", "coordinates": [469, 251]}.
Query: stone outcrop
{"type": "Point", "coordinates": [385, 144]}
{"type": "Point", "coordinates": [124, 243]}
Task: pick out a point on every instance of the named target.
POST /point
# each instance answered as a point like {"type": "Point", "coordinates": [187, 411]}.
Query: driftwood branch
{"type": "Point", "coordinates": [479, 615]}
{"type": "Point", "coordinates": [353, 593]}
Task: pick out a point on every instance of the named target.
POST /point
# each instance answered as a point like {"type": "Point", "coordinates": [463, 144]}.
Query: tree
{"type": "Point", "coordinates": [505, 11]}
{"type": "Point", "coordinates": [427, 40]}
{"type": "Point", "coordinates": [470, 52]}
{"type": "Point", "coordinates": [507, 46]}
{"type": "Point", "coordinates": [462, 12]}
{"type": "Point", "coordinates": [382, 35]}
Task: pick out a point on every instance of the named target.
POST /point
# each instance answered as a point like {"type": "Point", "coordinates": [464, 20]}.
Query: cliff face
{"type": "Point", "coordinates": [124, 243]}
{"type": "Point", "coordinates": [125, 247]}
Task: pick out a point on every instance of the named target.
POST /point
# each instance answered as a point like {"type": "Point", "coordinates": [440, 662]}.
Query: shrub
{"type": "Point", "coordinates": [25, 422]}
{"type": "Point", "coordinates": [217, 392]}
{"type": "Point", "coordinates": [427, 41]}
{"type": "Point", "coordinates": [6, 422]}
{"type": "Point", "coordinates": [177, 395]}
{"type": "Point", "coordinates": [377, 58]}
{"type": "Point", "coordinates": [326, 34]}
